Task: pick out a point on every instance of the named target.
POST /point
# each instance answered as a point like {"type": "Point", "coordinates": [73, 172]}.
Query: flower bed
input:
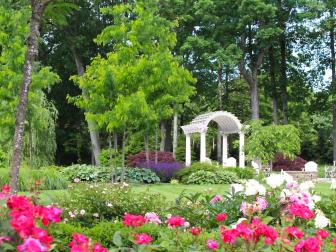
{"type": "Point", "coordinates": [278, 215]}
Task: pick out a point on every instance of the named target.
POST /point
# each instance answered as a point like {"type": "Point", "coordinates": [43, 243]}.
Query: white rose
{"type": "Point", "coordinates": [237, 188]}
{"type": "Point", "coordinates": [316, 198]}
{"type": "Point", "coordinates": [253, 187]}
{"type": "Point", "coordinates": [321, 221]}
{"type": "Point", "coordinates": [82, 212]}
{"type": "Point", "coordinates": [288, 178]}
{"type": "Point", "coordinates": [333, 184]}
{"type": "Point", "coordinates": [305, 186]}
{"type": "Point", "coordinates": [275, 180]}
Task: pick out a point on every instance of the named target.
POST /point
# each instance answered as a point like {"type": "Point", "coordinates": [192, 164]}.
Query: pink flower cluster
{"type": "Point", "coordinates": [134, 220]}
{"type": "Point", "coordinates": [28, 220]}
{"type": "Point", "coordinates": [80, 243]}
{"type": "Point", "coordinates": [252, 232]}
{"type": "Point", "coordinates": [301, 211]}
{"type": "Point", "coordinates": [250, 208]}
{"type": "Point", "coordinates": [25, 217]}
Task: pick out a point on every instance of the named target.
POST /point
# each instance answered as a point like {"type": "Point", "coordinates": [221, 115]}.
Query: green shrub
{"type": "Point", "coordinates": [183, 174]}
{"type": "Point", "coordinates": [104, 158]}
{"type": "Point", "coordinates": [202, 178]}
{"type": "Point", "coordinates": [242, 173]}
{"type": "Point", "coordinates": [103, 174]}
{"type": "Point", "coordinates": [50, 179]}
{"type": "Point", "coordinates": [62, 234]}
{"type": "Point", "coordinates": [108, 202]}
{"type": "Point", "coordinates": [226, 177]}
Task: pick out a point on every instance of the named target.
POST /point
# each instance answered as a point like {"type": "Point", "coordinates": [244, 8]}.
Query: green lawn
{"type": "Point", "coordinates": [171, 192]}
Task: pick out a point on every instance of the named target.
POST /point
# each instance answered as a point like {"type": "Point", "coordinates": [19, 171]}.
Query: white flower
{"type": "Point", "coordinates": [109, 204]}
{"type": "Point", "coordinates": [82, 212]}
{"type": "Point", "coordinates": [76, 180]}
{"type": "Point", "coordinates": [333, 184]}
{"type": "Point", "coordinates": [275, 180]}
{"type": "Point", "coordinates": [305, 186]}
{"type": "Point", "coordinates": [316, 198]}
{"type": "Point", "coordinates": [253, 187]}
{"type": "Point", "coordinates": [65, 220]}
{"type": "Point", "coordinates": [186, 224]}
{"type": "Point", "coordinates": [288, 178]}
{"type": "Point", "coordinates": [96, 215]}
{"type": "Point", "coordinates": [285, 193]}
{"type": "Point", "coordinates": [321, 221]}
{"type": "Point", "coordinates": [206, 212]}
{"type": "Point", "coordinates": [237, 188]}
{"type": "Point", "coordinates": [72, 215]}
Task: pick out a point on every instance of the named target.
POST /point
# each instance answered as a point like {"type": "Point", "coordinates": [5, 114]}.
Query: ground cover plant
{"type": "Point", "coordinates": [276, 214]}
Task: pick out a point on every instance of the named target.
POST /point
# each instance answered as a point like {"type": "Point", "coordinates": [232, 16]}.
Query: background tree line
{"type": "Point", "coordinates": [273, 60]}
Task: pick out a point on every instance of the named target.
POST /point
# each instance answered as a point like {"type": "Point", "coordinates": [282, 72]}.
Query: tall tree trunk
{"type": "Point", "coordinates": [251, 76]}
{"type": "Point", "coordinates": [115, 148]}
{"type": "Point", "coordinates": [175, 134]}
{"type": "Point", "coordinates": [30, 141]}
{"type": "Point", "coordinates": [37, 8]}
{"type": "Point", "coordinates": [110, 157]}
{"type": "Point", "coordinates": [156, 145]}
{"type": "Point", "coordinates": [220, 87]}
{"type": "Point", "coordinates": [123, 156]}
{"type": "Point", "coordinates": [93, 128]}
{"type": "Point", "coordinates": [333, 79]}
{"type": "Point", "coordinates": [169, 140]}
{"type": "Point", "coordinates": [283, 64]}
{"type": "Point", "coordinates": [219, 145]}
{"type": "Point", "coordinates": [273, 86]}
{"type": "Point", "coordinates": [146, 140]}
{"type": "Point", "coordinates": [163, 134]}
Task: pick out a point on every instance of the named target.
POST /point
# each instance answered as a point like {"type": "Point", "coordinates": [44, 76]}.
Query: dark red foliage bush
{"type": "Point", "coordinates": [140, 158]}
{"type": "Point", "coordinates": [282, 163]}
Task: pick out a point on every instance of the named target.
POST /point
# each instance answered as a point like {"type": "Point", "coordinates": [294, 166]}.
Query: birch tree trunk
{"type": "Point", "coordinates": [38, 8]}
{"type": "Point", "coordinates": [273, 86]}
{"type": "Point", "coordinates": [175, 134]}
{"type": "Point", "coordinates": [163, 134]}
{"type": "Point", "coordinates": [93, 127]}
{"type": "Point", "coordinates": [123, 156]}
{"type": "Point", "coordinates": [333, 79]}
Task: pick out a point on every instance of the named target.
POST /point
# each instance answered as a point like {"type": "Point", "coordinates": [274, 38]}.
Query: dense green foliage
{"type": "Point", "coordinates": [108, 201]}
{"type": "Point", "coordinates": [229, 174]}
{"type": "Point", "coordinates": [47, 179]}
{"type": "Point", "coordinates": [89, 173]}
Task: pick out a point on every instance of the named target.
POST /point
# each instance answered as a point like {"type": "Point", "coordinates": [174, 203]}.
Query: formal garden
{"type": "Point", "coordinates": [167, 125]}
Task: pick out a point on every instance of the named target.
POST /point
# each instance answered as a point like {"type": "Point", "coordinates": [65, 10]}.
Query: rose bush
{"type": "Point", "coordinates": [278, 215]}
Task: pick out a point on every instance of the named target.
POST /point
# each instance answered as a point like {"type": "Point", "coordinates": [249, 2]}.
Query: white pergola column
{"type": "Point", "coordinates": [225, 148]}
{"type": "Point", "coordinates": [188, 150]}
{"type": "Point", "coordinates": [241, 150]}
{"type": "Point", "coordinates": [203, 147]}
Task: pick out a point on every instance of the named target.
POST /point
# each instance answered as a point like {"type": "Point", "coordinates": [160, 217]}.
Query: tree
{"type": "Point", "coordinates": [265, 142]}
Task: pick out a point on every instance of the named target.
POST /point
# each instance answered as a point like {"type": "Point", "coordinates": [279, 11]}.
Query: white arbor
{"type": "Point", "coordinates": [228, 124]}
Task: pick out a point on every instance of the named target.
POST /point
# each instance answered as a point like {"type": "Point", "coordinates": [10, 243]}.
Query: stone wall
{"type": "Point", "coordinates": [302, 175]}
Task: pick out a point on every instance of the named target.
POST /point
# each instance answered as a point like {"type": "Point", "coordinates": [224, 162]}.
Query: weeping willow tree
{"type": "Point", "coordinates": [13, 35]}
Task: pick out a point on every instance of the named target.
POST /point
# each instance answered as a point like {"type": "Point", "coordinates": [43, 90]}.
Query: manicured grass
{"type": "Point", "coordinates": [170, 191]}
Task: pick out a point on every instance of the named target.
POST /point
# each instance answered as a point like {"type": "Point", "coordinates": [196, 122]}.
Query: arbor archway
{"type": "Point", "coordinates": [228, 124]}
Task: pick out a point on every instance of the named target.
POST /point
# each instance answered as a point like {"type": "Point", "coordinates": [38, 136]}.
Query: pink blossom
{"type": "Point", "coordinates": [153, 218]}
{"type": "Point", "coordinates": [4, 239]}
{"type": "Point", "coordinates": [294, 232]}
{"type": "Point", "coordinates": [311, 244]}
{"type": "Point", "coordinates": [261, 203]}
{"type": "Point", "coordinates": [32, 245]}
{"type": "Point", "coordinates": [195, 231]}
{"type": "Point", "coordinates": [221, 217]}
{"type": "Point", "coordinates": [143, 238]}
{"type": "Point", "coordinates": [212, 244]}
{"type": "Point", "coordinates": [321, 233]}
{"type": "Point", "coordinates": [301, 211]}
{"type": "Point", "coordinates": [175, 221]}
{"type": "Point", "coordinates": [215, 199]}
{"type": "Point", "coordinates": [134, 220]}
{"type": "Point", "coordinates": [99, 248]}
